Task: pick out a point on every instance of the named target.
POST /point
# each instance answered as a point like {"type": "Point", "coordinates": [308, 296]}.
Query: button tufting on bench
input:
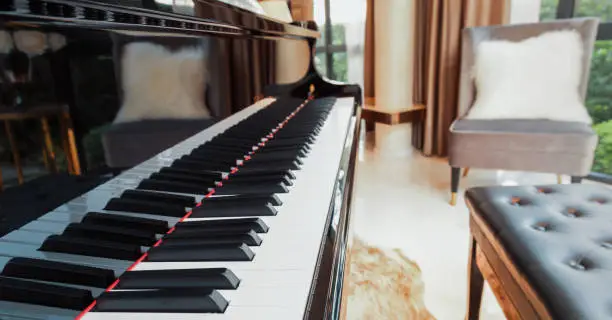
{"type": "Point", "coordinates": [598, 200]}
{"type": "Point", "coordinates": [517, 201]}
{"type": "Point", "coordinates": [543, 190]}
{"type": "Point", "coordinates": [542, 226]}
{"type": "Point", "coordinates": [572, 213]}
{"type": "Point", "coordinates": [578, 265]}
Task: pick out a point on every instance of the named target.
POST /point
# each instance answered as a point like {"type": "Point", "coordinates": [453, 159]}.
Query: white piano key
{"type": "Point", "coordinates": [235, 313]}
{"type": "Point", "coordinates": [28, 311]}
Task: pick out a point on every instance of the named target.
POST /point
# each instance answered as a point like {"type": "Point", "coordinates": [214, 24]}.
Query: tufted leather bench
{"type": "Point", "coordinates": [545, 251]}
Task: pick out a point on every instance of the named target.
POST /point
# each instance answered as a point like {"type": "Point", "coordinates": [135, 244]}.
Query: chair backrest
{"type": "Point", "coordinates": [472, 37]}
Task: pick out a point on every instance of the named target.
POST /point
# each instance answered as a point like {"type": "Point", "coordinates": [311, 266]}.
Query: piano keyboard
{"type": "Point", "coordinates": [227, 224]}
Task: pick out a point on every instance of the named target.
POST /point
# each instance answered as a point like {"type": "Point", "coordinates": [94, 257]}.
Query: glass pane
{"type": "Point", "coordinates": [340, 66]}
{"type": "Point", "coordinates": [548, 10]}
{"type": "Point", "coordinates": [599, 104]}
{"type": "Point", "coordinates": [321, 63]}
{"type": "Point", "coordinates": [338, 34]}
{"type": "Point", "coordinates": [595, 8]}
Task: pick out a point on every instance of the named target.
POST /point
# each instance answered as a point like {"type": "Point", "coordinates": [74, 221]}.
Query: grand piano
{"type": "Point", "coordinates": [245, 219]}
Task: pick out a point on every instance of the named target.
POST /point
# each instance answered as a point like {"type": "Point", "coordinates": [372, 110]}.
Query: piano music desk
{"type": "Point", "coordinates": [42, 112]}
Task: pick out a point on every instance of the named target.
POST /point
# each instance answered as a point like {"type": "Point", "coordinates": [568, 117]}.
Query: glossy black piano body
{"type": "Point", "coordinates": [245, 41]}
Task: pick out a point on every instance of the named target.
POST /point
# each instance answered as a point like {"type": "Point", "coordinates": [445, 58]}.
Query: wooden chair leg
{"type": "Point", "coordinates": [576, 179]}
{"type": "Point", "coordinates": [69, 143]}
{"type": "Point", "coordinates": [475, 284]}
{"type": "Point", "coordinates": [370, 126]}
{"type": "Point", "coordinates": [14, 150]}
{"type": "Point", "coordinates": [455, 175]}
{"type": "Point", "coordinates": [559, 179]}
{"type": "Point", "coordinates": [48, 145]}
{"type": "Point", "coordinates": [466, 171]}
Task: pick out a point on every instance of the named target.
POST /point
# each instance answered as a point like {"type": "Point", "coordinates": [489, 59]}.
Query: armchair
{"type": "Point", "coordinates": [538, 145]}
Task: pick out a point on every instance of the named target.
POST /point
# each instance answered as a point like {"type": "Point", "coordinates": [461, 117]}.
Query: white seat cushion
{"type": "Point", "coordinates": [160, 84]}
{"type": "Point", "coordinates": [537, 78]}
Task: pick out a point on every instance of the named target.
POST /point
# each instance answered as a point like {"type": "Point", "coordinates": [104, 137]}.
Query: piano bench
{"type": "Point", "coordinates": [545, 251]}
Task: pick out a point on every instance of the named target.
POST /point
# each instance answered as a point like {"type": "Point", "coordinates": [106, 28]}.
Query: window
{"type": "Point", "coordinates": [331, 56]}
{"type": "Point", "coordinates": [599, 93]}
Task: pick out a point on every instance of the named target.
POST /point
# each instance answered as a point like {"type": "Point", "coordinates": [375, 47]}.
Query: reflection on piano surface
{"type": "Point", "coordinates": [221, 208]}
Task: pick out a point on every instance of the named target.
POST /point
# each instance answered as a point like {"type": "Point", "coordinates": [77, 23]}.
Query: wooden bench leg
{"type": "Point", "coordinates": [475, 284]}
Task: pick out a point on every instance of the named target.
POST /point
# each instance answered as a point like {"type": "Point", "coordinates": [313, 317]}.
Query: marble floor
{"type": "Point", "coordinates": [402, 202]}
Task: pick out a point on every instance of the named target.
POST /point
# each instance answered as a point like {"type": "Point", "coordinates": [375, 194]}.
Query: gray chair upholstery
{"type": "Point", "coordinates": [524, 145]}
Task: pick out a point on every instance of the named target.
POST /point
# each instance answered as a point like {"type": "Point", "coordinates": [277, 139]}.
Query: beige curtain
{"type": "Point", "coordinates": [438, 25]}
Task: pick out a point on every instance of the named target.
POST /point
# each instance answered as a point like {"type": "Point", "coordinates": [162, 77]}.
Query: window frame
{"type": "Point", "coordinates": [566, 9]}
{"type": "Point", "coordinates": [328, 49]}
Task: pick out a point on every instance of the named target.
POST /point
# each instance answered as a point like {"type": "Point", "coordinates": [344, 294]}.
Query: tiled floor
{"type": "Point", "coordinates": [402, 201]}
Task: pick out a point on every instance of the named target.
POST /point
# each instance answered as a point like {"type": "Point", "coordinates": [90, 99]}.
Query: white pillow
{"type": "Point", "coordinates": [159, 84]}
{"type": "Point", "coordinates": [537, 78]}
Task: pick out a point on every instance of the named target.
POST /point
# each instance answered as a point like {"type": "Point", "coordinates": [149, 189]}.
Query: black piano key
{"type": "Point", "coordinates": [207, 159]}
{"type": "Point", "coordinates": [245, 171]}
{"type": "Point", "coordinates": [258, 170]}
{"type": "Point", "coordinates": [18, 290]}
{"type": "Point", "coordinates": [282, 165]}
{"type": "Point", "coordinates": [214, 278]}
{"type": "Point", "coordinates": [204, 174]}
{"type": "Point", "coordinates": [183, 200]}
{"type": "Point", "coordinates": [277, 141]}
{"type": "Point", "coordinates": [216, 152]}
{"type": "Point", "coordinates": [293, 164]}
{"type": "Point", "coordinates": [51, 271]}
{"type": "Point", "coordinates": [183, 178]}
{"type": "Point", "coordinates": [269, 198]}
{"type": "Point", "coordinates": [252, 189]}
{"type": "Point", "coordinates": [224, 139]}
{"type": "Point", "coordinates": [276, 156]}
{"type": "Point", "coordinates": [279, 177]}
{"type": "Point", "coordinates": [301, 151]}
{"type": "Point", "coordinates": [233, 210]}
{"type": "Point", "coordinates": [229, 252]}
{"type": "Point", "coordinates": [91, 247]}
{"type": "Point", "coordinates": [273, 144]}
{"type": "Point", "coordinates": [114, 233]}
{"type": "Point", "coordinates": [114, 220]}
{"type": "Point", "coordinates": [143, 206]}
{"type": "Point", "coordinates": [193, 236]}
{"type": "Point", "coordinates": [230, 225]}
{"type": "Point", "coordinates": [197, 165]}
{"type": "Point", "coordinates": [172, 186]}
{"type": "Point", "coordinates": [181, 300]}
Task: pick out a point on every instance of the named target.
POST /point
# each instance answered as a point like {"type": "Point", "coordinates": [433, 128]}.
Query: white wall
{"type": "Point", "coordinates": [524, 11]}
{"type": "Point", "coordinates": [394, 25]}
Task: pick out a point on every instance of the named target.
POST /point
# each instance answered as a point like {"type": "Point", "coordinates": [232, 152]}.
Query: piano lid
{"type": "Point", "coordinates": [206, 17]}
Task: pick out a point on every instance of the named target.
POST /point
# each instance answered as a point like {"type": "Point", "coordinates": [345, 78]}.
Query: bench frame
{"type": "Point", "coordinates": [488, 260]}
